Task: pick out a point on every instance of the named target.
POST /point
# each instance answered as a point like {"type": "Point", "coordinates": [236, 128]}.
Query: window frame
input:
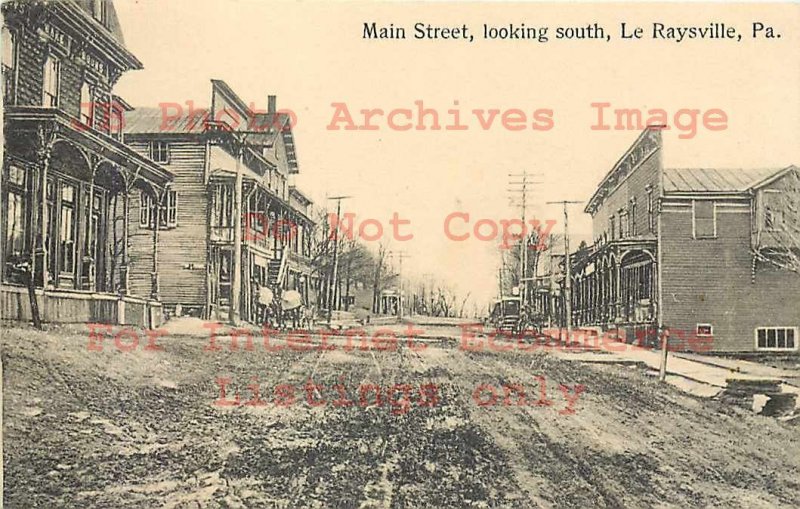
{"type": "Point", "coordinates": [54, 97]}
{"type": "Point", "coordinates": [713, 218]}
{"type": "Point", "coordinates": [165, 151]}
{"type": "Point", "coordinates": [100, 11]}
{"type": "Point", "coordinates": [73, 206]}
{"type": "Point", "coordinates": [612, 227]}
{"type": "Point", "coordinates": [18, 190]}
{"type": "Point", "coordinates": [146, 204]}
{"type": "Point", "coordinates": [778, 219]}
{"type": "Point", "coordinates": [704, 334]}
{"type": "Point", "coordinates": [795, 330]}
{"type": "Point", "coordinates": [89, 122]}
{"type": "Point", "coordinates": [171, 198]}
{"type": "Point", "coordinates": [10, 93]}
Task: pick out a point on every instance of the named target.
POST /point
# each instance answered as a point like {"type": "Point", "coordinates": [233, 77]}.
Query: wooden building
{"type": "Point", "coordinates": [704, 252]}
{"type": "Point", "coordinates": [66, 174]}
{"type": "Point", "coordinates": [233, 223]}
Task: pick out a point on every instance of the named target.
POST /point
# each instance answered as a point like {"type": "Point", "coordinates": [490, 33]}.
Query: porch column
{"type": "Point", "coordinates": [40, 261]}
{"type": "Point", "coordinates": [123, 269]}
{"type": "Point", "coordinates": [618, 286]}
{"type": "Point", "coordinates": [89, 257]}
{"type": "Point", "coordinates": [154, 286]}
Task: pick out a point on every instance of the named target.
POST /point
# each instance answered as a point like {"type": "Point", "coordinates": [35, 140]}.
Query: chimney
{"type": "Point", "coordinates": [271, 104]}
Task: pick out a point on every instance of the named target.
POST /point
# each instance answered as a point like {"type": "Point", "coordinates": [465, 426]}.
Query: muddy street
{"type": "Point", "coordinates": [423, 424]}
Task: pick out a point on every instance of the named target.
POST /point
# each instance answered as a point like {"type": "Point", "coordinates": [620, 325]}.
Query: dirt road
{"type": "Point", "coordinates": [450, 428]}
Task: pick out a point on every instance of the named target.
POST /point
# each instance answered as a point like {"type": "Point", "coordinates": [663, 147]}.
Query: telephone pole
{"type": "Point", "coordinates": [400, 256]}
{"type": "Point", "coordinates": [567, 266]}
{"type": "Point", "coordinates": [333, 283]}
{"type": "Point", "coordinates": [521, 192]}
{"type": "Point", "coordinates": [234, 311]}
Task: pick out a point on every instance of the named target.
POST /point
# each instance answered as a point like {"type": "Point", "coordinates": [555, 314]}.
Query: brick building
{"type": "Point", "coordinates": [708, 253]}
{"type": "Point", "coordinates": [66, 174]}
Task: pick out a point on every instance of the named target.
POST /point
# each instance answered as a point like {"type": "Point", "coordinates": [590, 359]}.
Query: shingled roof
{"type": "Point", "coordinates": [158, 121]}
{"type": "Point", "coordinates": [717, 180]}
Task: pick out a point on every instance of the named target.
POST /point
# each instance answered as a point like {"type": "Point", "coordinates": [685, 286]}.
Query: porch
{"type": "Point", "coordinates": [66, 188]}
{"type": "Point", "coordinates": [275, 246]}
{"type": "Point", "coordinates": [614, 285]}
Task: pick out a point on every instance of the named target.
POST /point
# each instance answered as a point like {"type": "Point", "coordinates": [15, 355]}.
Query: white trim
{"type": "Point", "coordinates": [174, 223]}
{"type": "Point", "coordinates": [796, 330]}
{"type": "Point", "coordinates": [697, 332]}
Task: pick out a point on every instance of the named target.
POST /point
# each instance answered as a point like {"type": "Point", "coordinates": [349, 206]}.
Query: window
{"type": "Point", "coordinates": [9, 65]}
{"type": "Point", "coordinates": [222, 213]}
{"type": "Point", "coordinates": [776, 338]}
{"type": "Point", "coordinates": [99, 10]}
{"type": "Point", "coordinates": [67, 229]}
{"type": "Point", "coordinates": [50, 82]}
{"type": "Point", "coordinates": [86, 105]}
{"type": "Point", "coordinates": [704, 329]}
{"type": "Point", "coordinates": [147, 210]}
{"type": "Point", "coordinates": [651, 211]}
{"type": "Point", "coordinates": [159, 151]}
{"type": "Point", "coordinates": [115, 121]}
{"type": "Point", "coordinates": [15, 222]}
{"type": "Point", "coordinates": [623, 224]}
{"type": "Point", "coordinates": [705, 220]}
{"type": "Point", "coordinates": [611, 232]}
{"type": "Point", "coordinates": [92, 224]}
{"type": "Point", "coordinates": [632, 218]}
{"type": "Point", "coordinates": [773, 214]}
{"type": "Point", "coordinates": [172, 208]}
{"type": "Point", "coordinates": [167, 211]}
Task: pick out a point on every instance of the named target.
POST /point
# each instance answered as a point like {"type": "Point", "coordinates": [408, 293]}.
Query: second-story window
{"type": "Point", "coordinates": [9, 65]}
{"type": "Point", "coordinates": [159, 151]}
{"type": "Point", "coordinates": [705, 219]}
{"type": "Point", "coordinates": [222, 213]}
{"type": "Point", "coordinates": [50, 82]}
{"type": "Point", "coordinates": [611, 228]}
{"type": "Point", "coordinates": [115, 121]}
{"type": "Point", "coordinates": [773, 216]}
{"type": "Point", "coordinates": [87, 106]}
{"type": "Point", "coordinates": [99, 10]}
{"type": "Point", "coordinates": [632, 218]}
{"type": "Point", "coordinates": [651, 211]}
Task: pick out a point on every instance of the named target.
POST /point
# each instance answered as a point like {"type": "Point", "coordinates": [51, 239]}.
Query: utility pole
{"type": "Point", "coordinates": [567, 267]}
{"type": "Point", "coordinates": [236, 273]}
{"type": "Point", "coordinates": [332, 286]}
{"type": "Point", "coordinates": [522, 192]}
{"type": "Point", "coordinates": [400, 256]}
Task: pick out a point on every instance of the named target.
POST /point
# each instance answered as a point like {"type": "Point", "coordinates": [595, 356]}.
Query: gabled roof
{"type": "Point", "coordinates": [300, 194]}
{"type": "Point", "coordinates": [718, 180]}
{"type": "Point", "coordinates": [111, 22]}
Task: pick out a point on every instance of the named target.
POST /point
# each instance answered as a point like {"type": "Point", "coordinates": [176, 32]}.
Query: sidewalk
{"type": "Point", "coordinates": [703, 376]}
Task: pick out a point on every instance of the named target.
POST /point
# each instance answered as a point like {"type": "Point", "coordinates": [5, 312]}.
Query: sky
{"type": "Point", "coordinates": [312, 56]}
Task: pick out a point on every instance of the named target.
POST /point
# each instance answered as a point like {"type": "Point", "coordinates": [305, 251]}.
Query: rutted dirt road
{"type": "Point", "coordinates": [141, 429]}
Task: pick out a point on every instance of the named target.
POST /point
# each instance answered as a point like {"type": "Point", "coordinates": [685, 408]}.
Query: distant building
{"type": "Point", "coordinates": [232, 223]}
{"type": "Point", "coordinates": [704, 252]}
{"type": "Point", "coordinates": [67, 176]}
